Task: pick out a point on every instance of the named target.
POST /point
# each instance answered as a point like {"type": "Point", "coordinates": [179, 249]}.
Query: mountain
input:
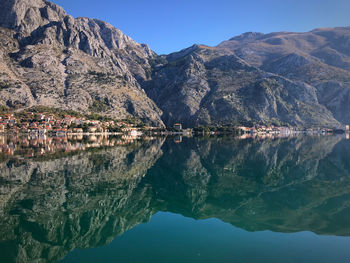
{"type": "Point", "coordinates": [50, 58]}
{"type": "Point", "coordinates": [204, 85]}
{"type": "Point", "coordinates": [320, 58]}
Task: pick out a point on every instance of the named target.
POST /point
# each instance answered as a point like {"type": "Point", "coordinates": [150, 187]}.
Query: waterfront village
{"type": "Point", "coordinates": [48, 123]}
{"type": "Point", "coordinates": [39, 133]}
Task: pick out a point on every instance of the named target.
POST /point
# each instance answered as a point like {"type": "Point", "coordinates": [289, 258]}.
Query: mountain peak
{"type": "Point", "coordinates": [26, 15]}
{"type": "Point", "coordinates": [248, 36]}
{"type": "Point", "coordinates": [88, 65]}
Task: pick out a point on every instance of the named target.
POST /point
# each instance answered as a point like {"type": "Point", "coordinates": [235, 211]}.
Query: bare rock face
{"type": "Point", "coordinates": [296, 78]}
{"type": "Point", "coordinates": [50, 58]}
{"type": "Point", "coordinates": [82, 64]}
{"type": "Point", "coordinates": [26, 16]}
{"type": "Point", "coordinates": [213, 86]}
{"type": "Point", "coordinates": [320, 58]}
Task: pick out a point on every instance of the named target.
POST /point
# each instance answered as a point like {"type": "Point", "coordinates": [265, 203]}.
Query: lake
{"type": "Point", "coordinates": [202, 199]}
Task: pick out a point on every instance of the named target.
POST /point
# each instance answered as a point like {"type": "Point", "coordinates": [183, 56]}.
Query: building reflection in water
{"type": "Point", "coordinates": [37, 145]}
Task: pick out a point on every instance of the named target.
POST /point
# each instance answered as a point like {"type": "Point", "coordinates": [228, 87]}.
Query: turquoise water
{"type": "Point", "coordinates": [174, 238]}
{"type": "Point", "coordinates": [189, 200]}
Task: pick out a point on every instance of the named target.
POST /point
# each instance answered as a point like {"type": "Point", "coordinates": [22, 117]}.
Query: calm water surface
{"type": "Point", "coordinates": [175, 200]}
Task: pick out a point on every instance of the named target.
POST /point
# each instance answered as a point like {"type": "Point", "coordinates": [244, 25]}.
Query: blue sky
{"type": "Point", "coordinates": [171, 25]}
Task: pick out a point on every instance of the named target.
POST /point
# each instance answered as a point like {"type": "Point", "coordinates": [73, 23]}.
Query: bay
{"type": "Point", "coordinates": [196, 199]}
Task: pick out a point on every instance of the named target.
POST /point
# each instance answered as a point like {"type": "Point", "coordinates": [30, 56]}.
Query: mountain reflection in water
{"type": "Point", "coordinates": [50, 206]}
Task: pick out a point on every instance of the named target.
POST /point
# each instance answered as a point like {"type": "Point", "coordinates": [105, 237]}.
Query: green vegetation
{"type": "Point", "coordinates": [62, 113]}
{"type": "Point", "coordinates": [55, 111]}
{"type": "Point", "coordinates": [106, 78]}
{"type": "Point", "coordinates": [158, 60]}
{"type": "Point", "coordinates": [3, 109]}
{"type": "Point", "coordinates": [178, 63]}
{"type": "Point", "coordinates": [3, 85]}
{"type": "Point", "coordinates": [98, 106]}
{"type": "Point", "coordinates": [114, 129]}
{"type": "Point", "coordinates": [226, 129]}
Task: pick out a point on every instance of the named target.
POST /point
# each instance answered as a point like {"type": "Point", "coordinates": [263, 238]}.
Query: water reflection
{"type": "Point", "coordinates": [52, 206]}
{"type": "Point", "coordinates": [41, 145]}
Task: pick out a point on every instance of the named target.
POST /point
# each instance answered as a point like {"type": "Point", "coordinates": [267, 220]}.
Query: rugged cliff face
{"type": "Point", "coordinates": [203, 85]}
{"type": "Point", "coordinates": [320, 58]}
{"type": "Point", "coordinates": [50, 58]}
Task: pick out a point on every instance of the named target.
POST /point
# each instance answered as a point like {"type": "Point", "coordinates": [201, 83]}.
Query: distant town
{"type": "Point", "coordinates": [35, 134]}
{"type": "Point", "coordinates": [46, 123]}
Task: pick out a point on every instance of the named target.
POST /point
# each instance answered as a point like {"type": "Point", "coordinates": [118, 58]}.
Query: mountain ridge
{"type": "Point", "coordinates": [50, 58]}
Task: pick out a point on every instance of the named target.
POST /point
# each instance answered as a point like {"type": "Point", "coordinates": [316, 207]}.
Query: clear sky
{"type": "Point", "coordinates": [171, 25]}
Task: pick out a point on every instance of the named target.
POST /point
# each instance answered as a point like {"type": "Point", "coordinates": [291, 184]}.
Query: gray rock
{"type": "Point", "coordinates": [49, 58]}
{"type": "Point", "coordinates": [81, 64]}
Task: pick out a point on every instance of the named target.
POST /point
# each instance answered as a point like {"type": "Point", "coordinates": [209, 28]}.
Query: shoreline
{"type": "Point", "coordinates": [169, 133]}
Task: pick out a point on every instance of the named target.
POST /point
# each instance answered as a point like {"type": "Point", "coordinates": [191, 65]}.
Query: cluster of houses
{"type": "Point", "coordinates": [261, 129]}
{"type": "Point", "coordinates": [42, 123]}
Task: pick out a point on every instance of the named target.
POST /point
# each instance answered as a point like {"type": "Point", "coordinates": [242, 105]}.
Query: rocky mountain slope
{"type": "Point", "coordinates": [320, 58]}
{"type": "Point", "coordinates": [203, 85]}
{"type": "Point", "coordinates": [50, 58]}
